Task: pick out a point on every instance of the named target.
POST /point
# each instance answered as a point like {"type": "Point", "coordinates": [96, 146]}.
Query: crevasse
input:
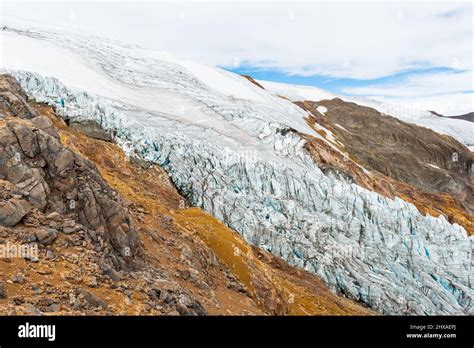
{"type": "Point", "coordinates": [379, 251]}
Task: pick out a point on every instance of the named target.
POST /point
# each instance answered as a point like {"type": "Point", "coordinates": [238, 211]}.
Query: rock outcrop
{"type": "Point", "coordinates": [13, 99]}
{"type": "Point", "coordinates": [92, 129]}
{"type": "Point", "coordinates": [53, 178]}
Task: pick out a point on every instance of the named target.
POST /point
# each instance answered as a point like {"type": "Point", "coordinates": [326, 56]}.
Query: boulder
{"type": "Point", "coordinates": [92, 299]}
{"type": "Point", "coordinates": [92, 129]}
{"type": "Point", "coordinates": [12, 211]}
{"type": "Point", "coordinates": [46, 236]}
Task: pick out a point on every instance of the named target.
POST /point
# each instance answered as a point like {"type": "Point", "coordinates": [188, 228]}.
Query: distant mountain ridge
{"type": "Point", "coordinates": [467, 117]}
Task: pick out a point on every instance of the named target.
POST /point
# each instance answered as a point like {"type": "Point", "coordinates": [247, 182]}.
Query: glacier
{"type": "Point", "coordinates": [231, 149]}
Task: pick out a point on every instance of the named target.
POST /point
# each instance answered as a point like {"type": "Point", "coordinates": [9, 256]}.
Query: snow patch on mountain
{"type": "Point", "coordinates": [322, 109]}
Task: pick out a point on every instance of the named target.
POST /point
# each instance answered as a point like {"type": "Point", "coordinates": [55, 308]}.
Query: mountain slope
{"type": "Point", "coordinates": [395, 158]}
{"type": "Point", "coordinates": [461, 130]}
{"type": "Point", "coordinates": [237, 151]}
{"type": "Point", "coordinates": [183, 260]}
{"type": "Point", "coordinates": [468, 117]}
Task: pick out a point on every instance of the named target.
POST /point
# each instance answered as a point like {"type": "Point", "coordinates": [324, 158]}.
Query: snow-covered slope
{"type": "Point", "coordinates": [228, 146]}
{"type": "Point", "coordinates": [463, 131]}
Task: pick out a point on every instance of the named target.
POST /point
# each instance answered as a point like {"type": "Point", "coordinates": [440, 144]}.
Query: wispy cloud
{"type": "Point", "coordinates": [418, 85]}
{"type": "Point", "coordinates": [345, 41]}
{"type": "Point", "coordinates": [446, 91]}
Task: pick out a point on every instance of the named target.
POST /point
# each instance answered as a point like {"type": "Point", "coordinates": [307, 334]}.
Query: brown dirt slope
{"type": "Point", "coordinates": [395, 158]}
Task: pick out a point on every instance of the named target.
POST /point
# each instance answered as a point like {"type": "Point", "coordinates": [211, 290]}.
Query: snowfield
{"type": "Point", "coordinates": [228, 147]}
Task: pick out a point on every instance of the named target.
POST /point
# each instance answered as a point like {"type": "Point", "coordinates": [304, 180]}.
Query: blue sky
{"type": "Point", "coordinates": [416, 53]}
{"type": "Point", "coordinates": [339, 85]}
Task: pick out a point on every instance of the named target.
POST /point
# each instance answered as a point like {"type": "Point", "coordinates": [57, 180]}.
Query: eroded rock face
{"type": "Point", "coordinates": [52, 178]}
{"type": "Point", "coordinates": [13, 100]}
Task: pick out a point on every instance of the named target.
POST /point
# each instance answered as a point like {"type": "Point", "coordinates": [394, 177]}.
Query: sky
{"type": "Point", "coordinates": [419, 54]}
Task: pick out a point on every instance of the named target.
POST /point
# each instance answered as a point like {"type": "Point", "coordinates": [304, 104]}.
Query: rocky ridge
{"type": "Point", "coordinates": [52, 178]}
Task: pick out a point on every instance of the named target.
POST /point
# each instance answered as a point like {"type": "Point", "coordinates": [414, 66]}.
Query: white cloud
{"type": "Point", "coordinates": [434, 91]}
{"type": "Point", "coordinates": [435, 83]}
{"type": "Point", "coordinates": [362, 40]}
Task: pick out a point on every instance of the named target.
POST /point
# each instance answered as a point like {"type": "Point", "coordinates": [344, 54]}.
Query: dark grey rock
{"type": "Point", "coordinates": [93, 299]}
{"type": "Point", "coordinates": [3, 291]}
{"type": "Point", "coordinates": [46, 236]}
{"type": "Point", "coordinates": [18, 278]}
{"type": "Point", "coordinates": [92, 129]}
